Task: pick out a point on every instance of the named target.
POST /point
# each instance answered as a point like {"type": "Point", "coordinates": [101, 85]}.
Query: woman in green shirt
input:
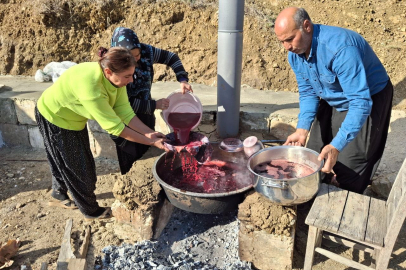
{"type": "Point", "coordinates": [92, 90]}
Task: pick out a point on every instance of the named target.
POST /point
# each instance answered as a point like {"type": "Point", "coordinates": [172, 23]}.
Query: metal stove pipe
{"type": "Point", "coordinates": [230, 44]}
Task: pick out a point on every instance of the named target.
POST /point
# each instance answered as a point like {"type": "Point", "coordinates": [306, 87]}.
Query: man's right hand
{"type": "Point", "coordinates": [298, 138]}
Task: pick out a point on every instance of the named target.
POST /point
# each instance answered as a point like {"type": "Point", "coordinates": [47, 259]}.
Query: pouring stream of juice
{"type": "Point", "coordinates": [181, 124]}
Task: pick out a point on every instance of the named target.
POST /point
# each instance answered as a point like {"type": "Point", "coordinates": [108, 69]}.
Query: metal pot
{"type": "Point", "coordinates": [287, 191]}
{"type": "Point", "coordinates": [201, 203]}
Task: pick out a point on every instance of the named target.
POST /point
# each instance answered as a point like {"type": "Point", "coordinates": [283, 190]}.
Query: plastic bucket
{"type": "Point", "coordinates": [183, 103]}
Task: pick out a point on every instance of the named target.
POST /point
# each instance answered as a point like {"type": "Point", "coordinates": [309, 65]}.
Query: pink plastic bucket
{"type": "Point", "coordinates": [183, 103]}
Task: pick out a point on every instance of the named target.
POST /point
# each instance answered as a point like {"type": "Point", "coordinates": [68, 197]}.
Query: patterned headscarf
{"type": "Point", "coordinates": [125, 37]}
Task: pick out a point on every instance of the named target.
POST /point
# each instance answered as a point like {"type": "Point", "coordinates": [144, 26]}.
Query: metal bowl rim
{"type": "Point", "coordinates": [195, 194]}
{"type": "Point", "coordinates": [281, 147]}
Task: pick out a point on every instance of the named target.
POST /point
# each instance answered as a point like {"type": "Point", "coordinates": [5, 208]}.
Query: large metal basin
{"type": "Point", "coordinates": [201, 203]}
{"type": "Point", "coordinates": [287, 191]}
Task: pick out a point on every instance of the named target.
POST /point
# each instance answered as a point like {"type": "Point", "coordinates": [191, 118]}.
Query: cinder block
{"type": "Point", "coordinates": [266, 251]}
{"type": "Point", "coordinates": [7, 112]}
{"type": "Point", "coordinates": [14, 135]}
{"type": "Point", "coordinates": [35, 137]}
{"type": "Point", "coordinates": [142, 223]}
{"type": "Point", "coordinates": [94, 126]}
{"type": "Point", "coordinates": [254, 121]}
{"type": "Point", "coordinates": [266, 233]}
{"type": "Point", "coordinates": [25, 109]}
{"type": "Point", "coordinates": [102, 145]}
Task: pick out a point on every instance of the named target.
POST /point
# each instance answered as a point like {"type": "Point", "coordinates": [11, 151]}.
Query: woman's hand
{"type": "Point", "coordinates": [155, 135]}
{"type": "Point", "coordinates": [159, 143]}
{"type": "Point", "coordinates": [330, 154]}
{"type": "Point", "coordinates": [138, 132]}
{"type": "Point", "coordinates": [298, 138]}
{"type": "Point", "coordinates": [162, 103]}
{"type": "Point", "coordinates": [158, 139]}
{"type": "Point", "coordinates": [185, 87]}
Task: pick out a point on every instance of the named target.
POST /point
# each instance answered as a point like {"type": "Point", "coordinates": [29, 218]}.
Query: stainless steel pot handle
{"type": "Point", "coordinates": [270, 142]}
{"type": "Point", "coordinates": [269, 183]}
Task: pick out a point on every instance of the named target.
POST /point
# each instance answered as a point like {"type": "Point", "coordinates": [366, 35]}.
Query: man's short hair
{"type": "Point", "coordinates": [300, 16]}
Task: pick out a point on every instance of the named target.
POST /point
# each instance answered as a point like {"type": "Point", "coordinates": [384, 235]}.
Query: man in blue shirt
{"type": "Point", "coordinates": [345, 96]}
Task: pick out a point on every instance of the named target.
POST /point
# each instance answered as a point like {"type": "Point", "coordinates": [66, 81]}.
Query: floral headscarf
{"type": "Point", "coordinates": [125, 37]}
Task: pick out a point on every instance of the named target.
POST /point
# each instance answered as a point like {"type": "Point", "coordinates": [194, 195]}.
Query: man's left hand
{"type": "Point", "coordinates": [330, 154]}
{"type": "Point", "coordinates": [185, 87]}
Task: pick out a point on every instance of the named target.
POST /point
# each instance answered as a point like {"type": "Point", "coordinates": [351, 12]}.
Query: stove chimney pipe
{"type": "Point", "coordinates": [230, 44]}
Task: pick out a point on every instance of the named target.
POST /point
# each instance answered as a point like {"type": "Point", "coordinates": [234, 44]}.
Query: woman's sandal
{"type": "Point", "coordinates": [67, 204]}
{"type": "Point", "coordinates": [105, 215]}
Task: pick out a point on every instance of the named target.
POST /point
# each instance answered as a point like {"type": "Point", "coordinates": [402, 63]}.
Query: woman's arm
{"type": "Point", "coordinates": [140, 133]}
{"type": "Point", "coordinates": [137, 125]}
{"type": "Point", "coordinates": [172, 60]}
{"type": "Point", "coordinates": [143, 106]}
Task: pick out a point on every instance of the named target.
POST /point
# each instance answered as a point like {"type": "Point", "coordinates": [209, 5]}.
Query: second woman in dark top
{"type": "Point", "coordinates": [139, 91]}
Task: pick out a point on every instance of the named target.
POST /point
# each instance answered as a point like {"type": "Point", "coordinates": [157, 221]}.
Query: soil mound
{"type": "Point", "coordinates": [34, 33]}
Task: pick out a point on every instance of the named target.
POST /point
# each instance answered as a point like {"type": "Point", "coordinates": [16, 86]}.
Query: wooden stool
{"type": "Point", "coordinates": [364, 222]}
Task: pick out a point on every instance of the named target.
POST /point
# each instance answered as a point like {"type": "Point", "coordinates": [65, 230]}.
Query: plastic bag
{"type": "Point", "coordinates": [53, 71]}
{"type": "Point", "coordinates": [40, 76]}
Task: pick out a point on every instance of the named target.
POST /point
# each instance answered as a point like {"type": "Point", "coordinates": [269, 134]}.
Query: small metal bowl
{"type": "Point", "coordinates": [231, 145]}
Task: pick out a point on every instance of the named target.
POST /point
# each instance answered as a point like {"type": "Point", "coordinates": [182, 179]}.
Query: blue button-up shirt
{"type": "Point", "coordinates": [343, 70]}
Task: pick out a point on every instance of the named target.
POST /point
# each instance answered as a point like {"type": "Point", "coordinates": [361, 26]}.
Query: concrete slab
{"type": "Point", "coordinates": [259, 110]}
{"type": "Point", "coordinates": [252, 100]}
{"type": "Point", "coordinates": [21, 87]}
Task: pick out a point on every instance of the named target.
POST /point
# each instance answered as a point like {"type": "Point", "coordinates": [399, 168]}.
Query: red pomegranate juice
{"type": "Point", "coordinates": [181, 124]}
{"type": "Point", "coordinates": [212, 177]}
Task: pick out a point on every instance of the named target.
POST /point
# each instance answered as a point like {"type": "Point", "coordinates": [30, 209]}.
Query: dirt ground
{"type": "Point", "coordinates": [25, 181]}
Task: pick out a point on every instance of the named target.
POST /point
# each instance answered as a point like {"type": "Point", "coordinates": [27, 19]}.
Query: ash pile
{"type": "Point", "coordinates": [190, 241]}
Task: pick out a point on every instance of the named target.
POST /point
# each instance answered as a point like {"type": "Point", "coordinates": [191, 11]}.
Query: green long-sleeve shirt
{"type": "Point", "coordinates": [81, 93]}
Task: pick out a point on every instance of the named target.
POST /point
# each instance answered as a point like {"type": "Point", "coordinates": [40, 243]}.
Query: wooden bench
{"type": "Point", "coordinates": [356, 221]}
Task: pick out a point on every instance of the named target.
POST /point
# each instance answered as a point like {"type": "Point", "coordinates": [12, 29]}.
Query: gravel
{"type": "Point", "coordinates": [189, 241]}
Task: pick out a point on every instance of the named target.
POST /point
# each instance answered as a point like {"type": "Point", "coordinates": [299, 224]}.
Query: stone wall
{"type": "Point", "coordinates": [19, 128]}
